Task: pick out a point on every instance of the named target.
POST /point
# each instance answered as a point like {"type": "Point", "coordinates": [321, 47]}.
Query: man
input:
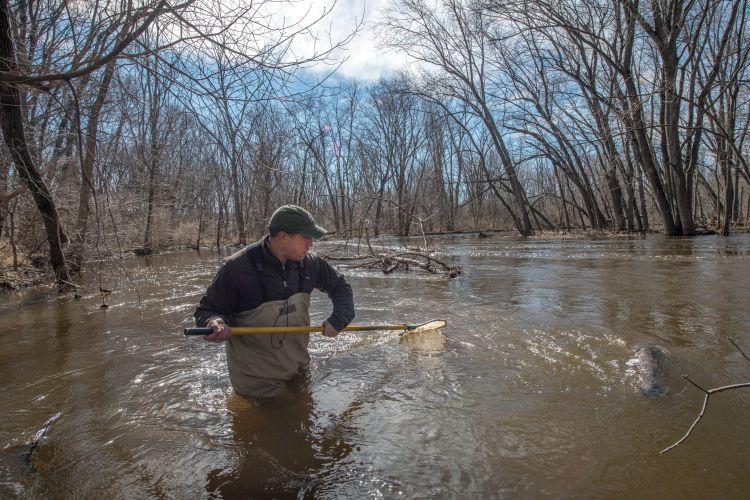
{"type": "Point", "coordinates": [268, 284]}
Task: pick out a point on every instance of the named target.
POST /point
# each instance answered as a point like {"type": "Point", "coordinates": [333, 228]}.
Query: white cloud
{"type": "Point", "coordinates": [364, 59]}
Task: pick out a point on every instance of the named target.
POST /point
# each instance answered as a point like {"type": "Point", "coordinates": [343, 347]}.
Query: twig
{"type": "Point", "coordinates": [690, 430]}
{"type": "Point", "coordinates": [708, 394]}
{"type": "Point", "coordinates": [696, 385]}
{"type": "Point", "coordinates": [738, 348]}
{"type": "Point", "coordinates": [703, 409]}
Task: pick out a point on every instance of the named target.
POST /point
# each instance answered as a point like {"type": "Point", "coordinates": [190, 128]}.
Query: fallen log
{"type": "Point", "coordinates": [389, 262]}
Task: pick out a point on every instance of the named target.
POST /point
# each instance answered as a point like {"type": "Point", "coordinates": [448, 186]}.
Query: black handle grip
{"type": "Point", "coordinates": [198, 331]}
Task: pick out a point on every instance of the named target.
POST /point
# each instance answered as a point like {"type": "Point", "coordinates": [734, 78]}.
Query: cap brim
{"type": "Point", "coordinates": [315, 232]}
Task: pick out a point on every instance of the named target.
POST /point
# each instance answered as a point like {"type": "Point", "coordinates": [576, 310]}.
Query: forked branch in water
{"type": "Point", "coordinates": [708, 393]}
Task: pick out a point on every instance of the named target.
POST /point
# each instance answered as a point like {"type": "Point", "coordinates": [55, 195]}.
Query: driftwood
{"type": "Point", "coordinates": [389, 262]}
{"type": "Point", "coordinates": [708, 393]}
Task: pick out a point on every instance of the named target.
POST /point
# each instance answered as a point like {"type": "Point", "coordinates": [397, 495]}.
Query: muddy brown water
{"type": "Point", "coordinates": [536, 392]}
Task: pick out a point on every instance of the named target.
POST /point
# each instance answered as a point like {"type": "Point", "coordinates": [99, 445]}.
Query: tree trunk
{"type": "Point", "coordinates": [200, 226]}
{"type": "Point", "coordinates": [236, 194]}
{"type": "Point", "coordinates": [636, 126]}
{"type": "Point", "coordinates": [148, 241]}
{"type": "Point", "coordinates": [517, 190]}
{"type": "Point", "coordinates": [12, 236]}
{"type": "Point", "coordinates": [642, 199]}
{"type": "Point", "coordinates": [726, 175]}
{"type": "Point", "coordinates": [737, 197]}
{"type": "Point", "coordinates": [632, 208]}
{"type": "Point", "coordinates": [379, 208]}
{"type": "Point", "coordinates": [218, 222]}
{"type": "Point", "coordinates": [153, 166]}
{"type": "Point", "coordinates": [562, 197]}
{"type": "Point", "coordinates": [3, 191]}
{"type": "Point", "coordinates": [672, 124]}
{"type": "Point", "coordinates": [612, 162]}
{"type": "Point", "coordinates": [11, 121]}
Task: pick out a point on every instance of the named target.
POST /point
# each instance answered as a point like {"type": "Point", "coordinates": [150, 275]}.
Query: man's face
{"type": "Point", "coordinates": [296, 246]}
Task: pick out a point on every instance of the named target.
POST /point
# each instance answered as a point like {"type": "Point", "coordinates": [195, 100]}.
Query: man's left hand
{"type": "Point", "coordinates": [329, 330]}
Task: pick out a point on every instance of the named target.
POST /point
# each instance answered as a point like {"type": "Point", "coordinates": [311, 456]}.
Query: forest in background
{"type": "Point", "coordinates": [148, 125]}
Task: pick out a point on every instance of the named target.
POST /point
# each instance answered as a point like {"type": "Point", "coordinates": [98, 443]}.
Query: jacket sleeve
{"type": "Point", "coordinates": [219, 300]}
{"type": "Point", "coordinates": [333, 284]}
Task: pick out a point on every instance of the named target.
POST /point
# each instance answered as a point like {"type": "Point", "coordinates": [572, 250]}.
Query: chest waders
{"type": "Point", "coordinates": [260, 366]}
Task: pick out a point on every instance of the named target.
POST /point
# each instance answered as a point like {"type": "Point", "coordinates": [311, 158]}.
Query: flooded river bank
{"type": "Point", "coordinates": [537, 392]}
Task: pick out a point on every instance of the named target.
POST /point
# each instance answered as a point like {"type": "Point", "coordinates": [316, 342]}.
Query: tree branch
{"type": "Point", "coordinates": [708, 394]}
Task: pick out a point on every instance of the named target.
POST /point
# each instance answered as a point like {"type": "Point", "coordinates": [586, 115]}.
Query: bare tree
{"type": "Point", "coordinates": [125, 26]}
{"type": "Point", "coordinates": [397, 121]}
{"type": "Point", "coordinates": [454, 39]}
{"type": "Point", "coordinates": [11, 120]}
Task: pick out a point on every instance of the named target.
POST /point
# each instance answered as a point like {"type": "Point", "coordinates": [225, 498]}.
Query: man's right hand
{"type": "Point", "coordinates": [222, 331]}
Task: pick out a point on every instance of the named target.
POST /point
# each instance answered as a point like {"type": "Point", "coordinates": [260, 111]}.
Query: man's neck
{"type": "Point", "coordinates": [273, 247]}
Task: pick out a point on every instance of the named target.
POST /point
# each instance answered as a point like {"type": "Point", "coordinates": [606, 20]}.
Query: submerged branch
{"type": "Point", "coordinates": [708, 394]}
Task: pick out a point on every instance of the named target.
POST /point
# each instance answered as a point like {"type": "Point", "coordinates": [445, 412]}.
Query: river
{"type": "Point", "coordinates": [535, 394]}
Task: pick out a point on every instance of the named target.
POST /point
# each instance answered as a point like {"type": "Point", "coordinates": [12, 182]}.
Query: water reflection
{"type": "Point", "coordinates": [281, 449]}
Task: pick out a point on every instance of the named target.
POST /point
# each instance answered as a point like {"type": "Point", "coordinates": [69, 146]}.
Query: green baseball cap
{"type": "Point", "coordinates": [294, 219]}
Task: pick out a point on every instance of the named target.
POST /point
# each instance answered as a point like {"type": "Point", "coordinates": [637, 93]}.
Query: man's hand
{"type": "Point", "coordinates": [329, 330]}
{"type": "Point", "coordinates": [222, 331]}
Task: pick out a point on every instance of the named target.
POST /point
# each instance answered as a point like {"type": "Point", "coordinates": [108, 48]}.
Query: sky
{"type": "Point", "coordinates": [365, 60]}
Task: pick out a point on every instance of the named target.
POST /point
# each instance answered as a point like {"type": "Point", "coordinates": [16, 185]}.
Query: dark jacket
{"type": "Point", "coordinates": [237, 287]}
